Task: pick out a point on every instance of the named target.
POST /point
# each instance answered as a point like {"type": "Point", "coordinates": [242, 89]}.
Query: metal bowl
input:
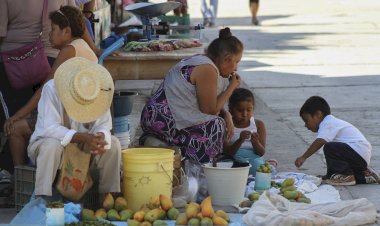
{"type": "Point", "coordinates": [152, 9]}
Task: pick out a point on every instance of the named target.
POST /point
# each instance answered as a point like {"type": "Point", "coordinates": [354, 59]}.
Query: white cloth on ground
{"type": "Point", "coordinates": [273, 209]}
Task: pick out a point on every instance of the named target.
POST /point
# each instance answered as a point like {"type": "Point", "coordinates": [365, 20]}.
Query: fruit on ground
{"type": "Point", "coordinates": [108, 202]}
{"type": "Point", "coordinates": [126, 214]}
{"type": "Point", "coordinates": [194, 222]}
{"type": "Point", "coordinates": [113, 215]}
{"type": "Point", "coordinates": [120, 204]}
{"type": "Point", "coordinates": [88, 215]}
{"type": "Point", "coordinates": [173, 213]}
{"type": "Point", "coordinates": [219, 221]}
{"type": "Point", "coordinates": [223, 215]}
{"type": "Point", "coordinates": [101, 214]}
{"type": "Point", "coordinates": [206, 221]}
{"type": "Point", "coordinates": [165, 202]}
{"type": "Point", "coordinates": [181, 219]}
{"type": "Point", "coordinates": [206, 207]}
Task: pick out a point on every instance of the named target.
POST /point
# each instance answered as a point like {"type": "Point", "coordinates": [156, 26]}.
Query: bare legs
{"type": "Point", "coordinates": [18, 141]}
{"type": "Point", "coordinates": [254, 7]}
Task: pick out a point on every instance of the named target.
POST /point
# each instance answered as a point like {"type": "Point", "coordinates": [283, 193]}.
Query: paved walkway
{"type": "Point", "coordinates": [328, 48]}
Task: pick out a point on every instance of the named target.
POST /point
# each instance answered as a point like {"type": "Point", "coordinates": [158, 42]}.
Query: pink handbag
{"type": "Point", "coordinates": [28, 65]}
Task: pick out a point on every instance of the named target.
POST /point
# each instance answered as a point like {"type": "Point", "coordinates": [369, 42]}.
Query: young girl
{"type": "Point", "coordinates": [249, 138]}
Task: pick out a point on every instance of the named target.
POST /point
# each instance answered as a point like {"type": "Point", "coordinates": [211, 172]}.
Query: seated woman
{"type": "Point", "coordinates": [187, 109]}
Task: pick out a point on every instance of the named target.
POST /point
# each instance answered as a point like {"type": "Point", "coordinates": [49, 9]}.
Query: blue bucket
{"type": "Point", "coordinates": [123, 102]}
{"type": "Point", "coordinates": [262, 181]}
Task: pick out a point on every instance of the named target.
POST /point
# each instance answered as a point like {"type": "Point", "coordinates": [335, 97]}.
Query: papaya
{"type": "Point", "coordinates": [288, 188]}
{"type": "Point", "coordinates": [304, 200]}
{"type": "Point", "coordinates": [288, 182]}
{"type": "Point", "coordinates": [291, 194]}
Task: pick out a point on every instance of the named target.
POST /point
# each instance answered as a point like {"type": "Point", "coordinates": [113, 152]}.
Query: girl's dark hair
{"type": "Point", "coordinates": [224, 45]}
{"type": "Point", "coordinates": [314, 104]}
{"type": "Point", "coordinates": [69, 16]}
{"type": "Point", "coordinates": [239, 95]}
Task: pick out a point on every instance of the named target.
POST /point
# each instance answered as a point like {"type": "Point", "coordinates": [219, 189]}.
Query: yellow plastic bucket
{"type": "Point", "coordinates": [147, 173]}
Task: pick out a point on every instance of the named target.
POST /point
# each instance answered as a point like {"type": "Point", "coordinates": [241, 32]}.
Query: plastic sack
{"type": "Point", "coordinates": [273, 209]}
{"type": "Point", "coordinates": [33, 213]}
{"type": "Point", "coordinates": [193, 181]}
{"type": "Point", "coordinates": [72, 212]}
{"type": "Point", "coordinates": [195, 170]}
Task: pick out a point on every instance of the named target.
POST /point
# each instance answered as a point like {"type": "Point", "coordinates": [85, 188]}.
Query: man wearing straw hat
{"type": "Point", "coordinates": [84, 90]}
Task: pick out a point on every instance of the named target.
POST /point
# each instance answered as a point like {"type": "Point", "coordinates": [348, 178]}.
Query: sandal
{"type": "Point", "coordinates": [273, 162]}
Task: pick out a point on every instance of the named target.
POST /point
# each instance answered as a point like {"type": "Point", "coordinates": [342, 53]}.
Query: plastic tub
{"type": "Point", "coordinates": [147, 173]}
{"type": "Point", "coordinates": [226, 185]}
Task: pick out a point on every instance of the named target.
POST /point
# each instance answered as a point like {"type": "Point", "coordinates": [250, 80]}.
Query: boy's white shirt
{"type": "Point", "coordinates": [247, 143]}
{"type": "Point", "coordinates": [50, 120]}
{"type": "Point", "coordinates": [332, 129]}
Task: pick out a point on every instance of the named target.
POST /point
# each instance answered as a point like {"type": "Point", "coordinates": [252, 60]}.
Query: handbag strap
{"type": "Point", "coordinates": [5, 107]}
{"type": "Point", "coordinates": [43, 17]}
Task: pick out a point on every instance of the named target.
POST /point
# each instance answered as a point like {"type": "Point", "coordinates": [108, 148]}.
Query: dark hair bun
{"type": "Point", "coordinates": [225, 33]}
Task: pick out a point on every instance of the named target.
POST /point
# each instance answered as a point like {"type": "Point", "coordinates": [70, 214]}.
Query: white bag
{"type": "Point", "coordinates": [273, 209]}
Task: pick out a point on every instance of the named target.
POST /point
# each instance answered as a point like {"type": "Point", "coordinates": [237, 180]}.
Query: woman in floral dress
{"type": "Point", "coordinates": [187, 110]}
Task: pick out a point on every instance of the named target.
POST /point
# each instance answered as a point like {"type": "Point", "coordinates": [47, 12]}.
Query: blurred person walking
{"type": "Point", "coordinates": [254, 7]}
{"type": "Point", "coordinates": [209, 12]}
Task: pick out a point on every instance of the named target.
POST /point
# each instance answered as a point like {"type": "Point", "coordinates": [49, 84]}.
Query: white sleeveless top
{"type": "Point", "coordinates": [182, 97]}
{"type": "Point", "coordinates": [247, 143]}
{"type": "Point", "coordinates": [82, 49]}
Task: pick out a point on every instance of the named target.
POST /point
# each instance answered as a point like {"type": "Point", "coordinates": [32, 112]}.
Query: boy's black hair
{"type": "Point", "coordinates": [314, 104]}
{"type": "Point", "coordinates": [239, 95]}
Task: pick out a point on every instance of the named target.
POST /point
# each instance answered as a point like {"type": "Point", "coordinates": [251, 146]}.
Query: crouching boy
{"type": "Point", "coordinates": [346, 150]}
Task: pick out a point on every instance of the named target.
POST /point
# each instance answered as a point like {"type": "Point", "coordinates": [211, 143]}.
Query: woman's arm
{"type": "Point", "coordinates": [205, 79]}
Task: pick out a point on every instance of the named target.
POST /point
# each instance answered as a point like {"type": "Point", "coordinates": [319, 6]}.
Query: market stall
{"type": "Point", "coordinates": [146, 65]}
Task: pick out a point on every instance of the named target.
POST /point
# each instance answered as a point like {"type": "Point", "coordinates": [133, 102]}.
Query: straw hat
{"type": "Point", "coordinates": [85, 89]}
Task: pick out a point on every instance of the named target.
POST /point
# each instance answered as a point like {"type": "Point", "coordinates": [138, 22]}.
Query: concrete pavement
{"type": "Point", "coordinates": [302, 48]}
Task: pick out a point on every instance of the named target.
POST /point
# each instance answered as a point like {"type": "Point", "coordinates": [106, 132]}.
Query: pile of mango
{"type": "Point", "coordinates": [156, 211]}
{"type": "Point", "coordinates": [289, 191]}
{"type": "Point", "coordinates": [113, 210]}
{"type": "Point", "coordinates": [203, 215]}
{"type": "Point", "coordinates": [264, 168]}
{"type": "Point", "coordinates": [252, 197]}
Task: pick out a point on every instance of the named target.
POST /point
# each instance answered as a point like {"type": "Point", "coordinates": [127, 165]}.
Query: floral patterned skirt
{"type": "Point", "coordinates": [199, 142]}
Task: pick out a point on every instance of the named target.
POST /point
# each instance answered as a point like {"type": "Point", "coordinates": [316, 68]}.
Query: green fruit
{"type": "Point", "coordinates": [304, 200]}
{"type": "Point", "coordinates": [159, 223]}
{"type": "Point", "coordinates": [288, 188]}
{"type": "Point", "coordinates": [254, 196]}
{"type": "Point", "coordinates": [173, 213]}
{"type": "Point", "coordinates": [88, 215]}
{"type": "Point", "coordinates": [126, 214]}
{"type": "Point", "coordinates": [133, 222]}
{"type": "Point", "coordinates": [288, 182]}
{"type": "Point", "coordinates": [194, 222]}
{"type": "Point", "coordinates": [291, 194]}
{"type": "Point", "coordinates": [206, 221]}
{"type": "Point", "coordinates": [113, 215]}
